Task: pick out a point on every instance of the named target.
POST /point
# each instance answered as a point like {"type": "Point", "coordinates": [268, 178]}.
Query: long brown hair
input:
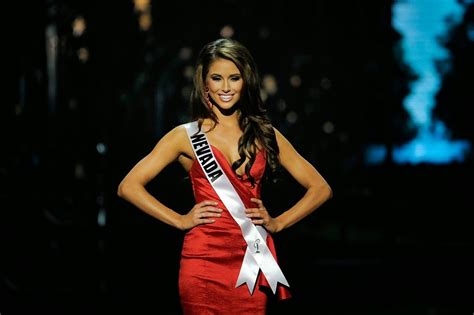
{"type": "Point", "coordinates": [253, 120]}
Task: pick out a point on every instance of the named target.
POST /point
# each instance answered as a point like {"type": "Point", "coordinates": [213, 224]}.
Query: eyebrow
{"type": "Point", "coordinates": [229, 75]}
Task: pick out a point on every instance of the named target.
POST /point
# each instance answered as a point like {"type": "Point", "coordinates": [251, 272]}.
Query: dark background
{"type": "Point", "coordinates": [395, 239]}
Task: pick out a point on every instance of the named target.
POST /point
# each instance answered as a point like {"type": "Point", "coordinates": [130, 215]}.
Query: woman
{"type": "Point", "coordinates": [222, 270]}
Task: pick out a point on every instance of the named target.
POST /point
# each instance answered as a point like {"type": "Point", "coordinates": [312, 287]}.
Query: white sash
{"type": "Point", "coordinates": [257, 255]}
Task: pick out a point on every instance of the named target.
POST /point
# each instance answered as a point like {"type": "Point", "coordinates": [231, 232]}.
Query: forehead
{"type": "Point", "coordinates": [223, 66]}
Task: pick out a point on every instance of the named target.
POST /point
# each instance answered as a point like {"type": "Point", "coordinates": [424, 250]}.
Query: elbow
{"type": "Point", "coordinates": [122, 189]}
{"type": "Point", "coordinates": [321, 192]}
{"type": "Point", "coordinates": [127, 188]}
{"type": "Point", "coordinates": [324, 192]}
{"type": "Point", "coordinates": [328, 192]}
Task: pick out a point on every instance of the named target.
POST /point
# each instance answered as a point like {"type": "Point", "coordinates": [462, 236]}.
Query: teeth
{"type": "Point", "coordinates": [225, 98]}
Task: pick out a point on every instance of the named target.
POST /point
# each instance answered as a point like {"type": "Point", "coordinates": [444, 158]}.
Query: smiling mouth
{"type": "Point", "coordinates": [225, 98]}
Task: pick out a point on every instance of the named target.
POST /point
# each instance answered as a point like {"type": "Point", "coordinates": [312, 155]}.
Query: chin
{"type": "Point", "coordinates": [226, 105]}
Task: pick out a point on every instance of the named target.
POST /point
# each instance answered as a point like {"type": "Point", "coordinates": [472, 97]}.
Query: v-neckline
{"type": "Point", "coordinates": [225, 159]}
{"type": "Point", "coordinates": [221, 153]}
{"type": "Point", "coordinates": [229, 163]}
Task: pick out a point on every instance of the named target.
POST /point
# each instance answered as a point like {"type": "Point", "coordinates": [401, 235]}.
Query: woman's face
{"type": "Point", "coordinates": [224, 82]}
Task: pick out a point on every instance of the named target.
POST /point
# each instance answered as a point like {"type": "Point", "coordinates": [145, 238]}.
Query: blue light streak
{"type": "Point", "coordinates": [421, 23]}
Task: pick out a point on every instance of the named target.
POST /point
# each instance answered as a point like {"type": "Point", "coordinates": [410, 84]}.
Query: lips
{"type": "Point", "coordinates": [225, 98]}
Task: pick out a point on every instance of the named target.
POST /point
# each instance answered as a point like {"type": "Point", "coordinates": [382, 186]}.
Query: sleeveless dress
{"type": "Point", "coordinates": [212, 254]}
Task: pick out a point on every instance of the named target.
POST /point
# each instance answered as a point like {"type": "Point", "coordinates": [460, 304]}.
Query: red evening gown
{"type": "Point", "coordinates": [212, 253]}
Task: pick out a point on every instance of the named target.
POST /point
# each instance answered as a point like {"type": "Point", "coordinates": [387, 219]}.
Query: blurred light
{"type": "Point", "coordinates": [143, 8]}
{"type": "Point", "coordinates": [101, 148]}
{"type": "Point", "coordinates": [343, 137]}
{"type": "Point", "coordinates": [421, 24]}
{"type": "Point", "coordinates": [83, 54]}
{"type": "Point", "coordinates": [432, 147]}
{"type": "Point", "coordinates": [470, 31]}
{"type": "Point", "coordinates": [188, 72]}
{"type": "Point", "coordinates": [145, 21]}
{"type": "Point", "coordinates": [51, 217]}
{"type": "Point", "coordinates": [328, 127]}
{"type": "Point", "coordinates": [264, 32]}
{"type": "Point", "coordinates": [281, 105]}
{"type": "Point", "coordinates": [52, 40]}
{"type": "Point", "coordinates": [227, 31]}
{"type": "Point", "coordinates": [295, 81]}
{"type": "Point", "coordinates": [270, 84]}
{"type": "Point", "coordinates": [263, 95]}
{"type": "Point", "coordinates": [376, 154]}
{"type": "Point", "coordinates": [79, 172]}
{"type": "Point", "coordinates": [141, 5]}
{"type": "Point", "coordinates": [102, 217]}
{"type": "Point", "coordinates": [292, 117]}
{"type": "Point", "coordinates": [149, 57]}
{"type": "Point", "coordinates": [185, 53]}
{"type": "Point", "coordinates": [78, 26]}
{"type": "Point", "coordinates": [100, 200]}
{"type": "Point", "coordinates": [72, 104]}
{"type": "Point", "coordinates": [18, 109]}
{"type": "Point", "coordinates": [186, 92]}
{"type": "Point", "coordinates": [326, 83]}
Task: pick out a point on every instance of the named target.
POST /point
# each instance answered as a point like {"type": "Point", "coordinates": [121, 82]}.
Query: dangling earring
{"type": "Point", "coordinates": [209, 103]}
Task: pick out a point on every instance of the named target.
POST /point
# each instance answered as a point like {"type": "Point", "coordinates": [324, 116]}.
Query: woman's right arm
{"type": "Point", "coordinates": [132, 187]}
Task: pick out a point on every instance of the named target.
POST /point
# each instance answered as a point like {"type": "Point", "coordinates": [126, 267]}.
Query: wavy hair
{"type": "Point", "coordinates": [252, 119]}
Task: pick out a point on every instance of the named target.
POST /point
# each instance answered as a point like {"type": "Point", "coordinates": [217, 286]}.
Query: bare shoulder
{"type": "Point", "coordinates": [178, 138]}
{"type": "Point", "coordinates": [284, 145]}
{"type": "Point", "coordinates": [278, 134]}
{"type": "Point", "coordinates": [288, 155]}
{"type": "Point", "coordinates": [172, 145]}
{"type": "Point", "coordinates": [180, 132]}
{"type": "Point", "coordinates": [186, 150]}
{"type": "Point", "coordinates": [173, 138]}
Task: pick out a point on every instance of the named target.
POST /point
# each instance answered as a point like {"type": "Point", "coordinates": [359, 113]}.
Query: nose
{"type": "Point", "coordinates": [226, 87]}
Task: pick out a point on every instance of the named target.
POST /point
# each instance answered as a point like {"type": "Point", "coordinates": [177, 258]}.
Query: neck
{"type": "Point", "coordinates": [227, 118]}
{"type": "Point", "coordinates": [228, 121]}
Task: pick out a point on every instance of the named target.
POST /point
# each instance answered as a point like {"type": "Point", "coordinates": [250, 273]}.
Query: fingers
{"type": "Point", "coordinates": [205, 211]}
{"type": "Point", "coordinates": [206, 206]}
{"type": "Point", "coordinates": [261, 207]}
{"type": "Point", "coordinates": [253, 212]}
{"type": "Point", "coordinates": [208, 212]}
{"type": "Point", "coordinates": [257, 201]}
{"type": "Point", "coordinates": [210, 209]}
{"type": "Point", "coordinates": [258, 221]}
{"type": "Point", "coordinates": [207, 203]}
{"type": "Point", "coordinates": [257, 215]}
{"type": "Point", "coordinates": [204, 221]}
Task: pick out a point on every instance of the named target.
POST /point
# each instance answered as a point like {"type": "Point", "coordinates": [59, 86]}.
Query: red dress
{"type": "Point", "coordinates": [212, 253]}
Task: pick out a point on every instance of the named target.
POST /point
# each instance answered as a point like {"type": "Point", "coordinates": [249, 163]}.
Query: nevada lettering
{"type": "Point", "coordinates": [204, 154]}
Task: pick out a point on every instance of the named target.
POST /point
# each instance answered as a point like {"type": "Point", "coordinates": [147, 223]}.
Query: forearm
{"type": "Point", "coordinates": [312, 199]}
{"type": "Point", "coordinates": [142, 199]}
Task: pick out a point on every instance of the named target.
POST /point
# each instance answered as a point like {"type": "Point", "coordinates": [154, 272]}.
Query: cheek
{"type": "Point", "coordinates": [212, 86]}
{"type": "Point", "coordinates": [238, 87]}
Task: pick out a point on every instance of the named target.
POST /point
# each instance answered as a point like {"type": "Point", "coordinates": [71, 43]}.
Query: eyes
{"type": "Point", "coordinates": [234, 78]}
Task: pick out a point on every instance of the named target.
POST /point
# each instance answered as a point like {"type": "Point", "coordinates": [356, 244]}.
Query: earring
{"type": "Point", "coordinates": [209, 103]}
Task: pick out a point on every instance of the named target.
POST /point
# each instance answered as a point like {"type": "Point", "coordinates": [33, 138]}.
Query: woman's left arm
{"type": "Point", "coordinates": [318, 190]}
